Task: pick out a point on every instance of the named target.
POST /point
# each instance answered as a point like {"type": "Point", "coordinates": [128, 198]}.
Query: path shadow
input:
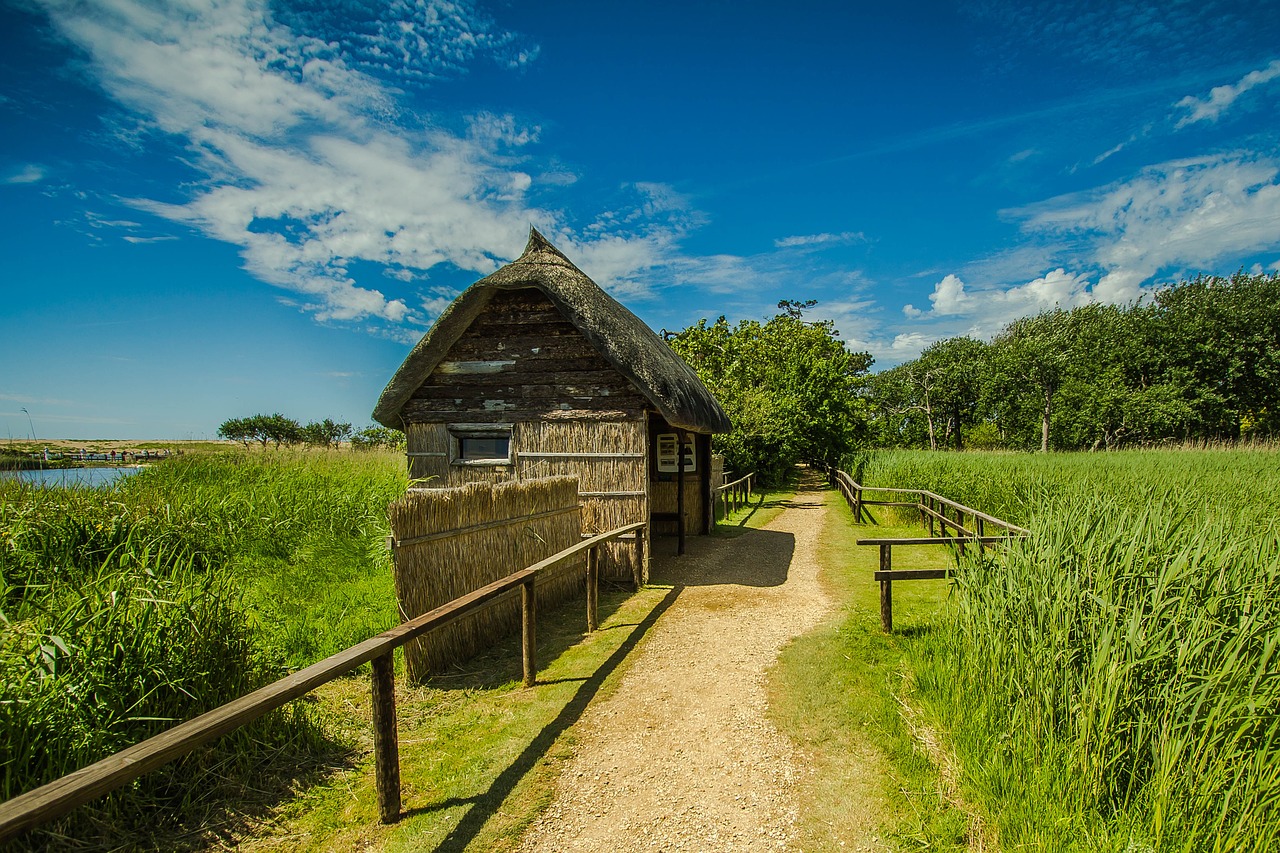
{"type": "Point", "coordinates": [753, 558]}
{"type": "Point", "coordinates": [485, 805]}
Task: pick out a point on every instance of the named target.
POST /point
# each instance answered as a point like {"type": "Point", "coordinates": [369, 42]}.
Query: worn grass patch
{"type": "Point", "coordinates": [841, 693]}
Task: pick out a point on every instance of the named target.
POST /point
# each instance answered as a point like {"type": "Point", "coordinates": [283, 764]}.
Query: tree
{"type": "Point", "coordinates": [278, 428]}
{"type": "Point", "coordinates": [238, 429]}
{"type": "Point", "coordinates": [378, 436]}
{"type": "Point", "coordinates": [1031, 356]}
{"type": "Point", "coordinates": [790, 386]}
{"type": "Point", "coordinates": [326, 433]}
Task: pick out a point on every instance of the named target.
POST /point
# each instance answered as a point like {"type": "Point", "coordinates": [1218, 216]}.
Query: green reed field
{"type": "Point", "coordinates": [125, 609]}
{"type": "Point", "coordinates": [1112, 683]}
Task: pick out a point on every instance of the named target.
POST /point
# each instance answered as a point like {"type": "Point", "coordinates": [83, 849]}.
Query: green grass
{"type": "Point", "coordinates": [839, 693]}
{"type": "Point", "coordinates": [127, 608]}
{"type": "Point", "coordinates": [1113, 683]}
{"type": "Point", "coordinates": [479, 753]}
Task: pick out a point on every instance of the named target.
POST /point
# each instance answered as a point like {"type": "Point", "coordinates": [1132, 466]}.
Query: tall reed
{"type": "Point", "coordinates": [1120, 667]}
{"type": "Point", "coordinates": [125, 609]}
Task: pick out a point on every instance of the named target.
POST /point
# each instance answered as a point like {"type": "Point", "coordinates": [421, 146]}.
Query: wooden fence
{"type": "Point", "coordinates": [731, 496]}
{"type": "Point", "coordinates": [938, 514]}
{"type": "Point", "coordinates": [55, 799]}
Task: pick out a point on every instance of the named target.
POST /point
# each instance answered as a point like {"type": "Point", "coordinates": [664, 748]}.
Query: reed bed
{"type": "Point", "coordinates": [452, 541]}
{"type": "Point", "coordinates": [1113, 682]}
{"type": "Point", "coordinates": [125, 609]}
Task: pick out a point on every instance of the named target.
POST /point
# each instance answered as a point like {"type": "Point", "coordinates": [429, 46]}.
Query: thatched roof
{"type": "Point", "coordinates": [630, 346]}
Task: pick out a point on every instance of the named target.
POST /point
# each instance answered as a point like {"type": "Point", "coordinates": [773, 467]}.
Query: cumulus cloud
{"type": "Point", "coordinates": [824, 239]}
{"type": "Point", "coordinates": [1222, 97]}
{"type": "Point", "coordinates": [949, 296]}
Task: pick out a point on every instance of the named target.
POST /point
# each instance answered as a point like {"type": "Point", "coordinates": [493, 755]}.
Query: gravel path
{"type": "Point", "coordinates": [682, 755]}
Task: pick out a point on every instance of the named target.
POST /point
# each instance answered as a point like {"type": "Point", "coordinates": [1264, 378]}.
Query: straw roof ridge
{"type": "Point", "coordinates": [621, 337]}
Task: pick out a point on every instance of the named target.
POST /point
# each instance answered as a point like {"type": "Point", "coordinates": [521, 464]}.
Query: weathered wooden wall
{"type": "Point", "coordinates": [521, 360]}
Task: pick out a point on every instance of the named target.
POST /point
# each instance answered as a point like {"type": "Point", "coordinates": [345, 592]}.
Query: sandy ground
{"type": "Point", "coordinates": [682, 756]}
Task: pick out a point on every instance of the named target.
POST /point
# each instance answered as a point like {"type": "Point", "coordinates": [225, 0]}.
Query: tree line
{"type": "Point", "coordinates": [280, 430]}
{"type": "Point", "coordinates": [1199, 360]}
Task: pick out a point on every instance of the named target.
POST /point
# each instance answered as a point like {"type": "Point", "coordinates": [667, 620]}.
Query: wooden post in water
{"type": "Point", "coordinates": [386, 742]}
{"type": "Point", "coordinates": [529, 632]}
{"type": "Point", "coordinates": [593, 589]}
{"type": "Point", "coordinates": [886, 589]}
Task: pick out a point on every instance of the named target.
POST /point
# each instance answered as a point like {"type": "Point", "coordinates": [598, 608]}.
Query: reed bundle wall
{"type": "Point", "coordinates": [607, 457]}
{"type": "Point", "coordinates": [613, 484]}
{"type": "Point", "coordinates": [448, 542]}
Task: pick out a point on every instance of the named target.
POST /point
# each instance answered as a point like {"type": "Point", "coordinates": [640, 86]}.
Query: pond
{"type": "Point", "coordinates": [90, 478]}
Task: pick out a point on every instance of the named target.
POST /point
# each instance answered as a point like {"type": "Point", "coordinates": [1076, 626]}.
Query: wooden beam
{"type": "Point", "coordinates": [912, 575]}
{"type": "Point", "coordinates": [62, 795]}
{"type": "Point", "coordinates": [529, 632]}
{"type": "Point", "coordinates": [940, 540]}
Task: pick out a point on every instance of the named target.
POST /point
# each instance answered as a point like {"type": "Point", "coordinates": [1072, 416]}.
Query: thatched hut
{"type": "Point", "coordinates": [535, 371]}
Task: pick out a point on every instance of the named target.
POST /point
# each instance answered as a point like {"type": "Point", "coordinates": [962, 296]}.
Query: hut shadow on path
{"type": "Point", "coordinates": [754, 557]}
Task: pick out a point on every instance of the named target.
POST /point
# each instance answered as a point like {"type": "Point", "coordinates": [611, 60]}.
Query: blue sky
{"type": "Point", "coordinates": [212, 208]}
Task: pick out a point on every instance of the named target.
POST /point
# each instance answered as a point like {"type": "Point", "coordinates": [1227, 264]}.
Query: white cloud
{"type": "Point", "coordinates": [949, 296]}
{"type": "Point", "coordinates": [824, 239]}
{"type": "Point", "coordinates": [1110, 152]}
{"type": "Point", "coordinates": [306, 170]}
{"type": "Point", "coordinates": [1186, 213]}
{"type": "Point", "coordinates": [29, 173]}
{"type": "Point", "coordinates": [143, 240]}
{"type": "Point", "coordinates": [1222, 97]}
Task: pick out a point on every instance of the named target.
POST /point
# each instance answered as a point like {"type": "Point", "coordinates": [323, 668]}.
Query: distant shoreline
{"type": "Point", "coordinates": [57, 454]}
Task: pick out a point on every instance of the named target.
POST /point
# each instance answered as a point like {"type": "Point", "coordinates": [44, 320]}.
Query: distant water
{"type": "Point", "coordinates": [90, 478]}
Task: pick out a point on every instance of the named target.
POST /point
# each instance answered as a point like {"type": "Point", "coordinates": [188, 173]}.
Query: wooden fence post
{"type": "Point", "coordinates": [978, 522]}
{"type": "Point", "coordinates": [931, 518]}
{"type": "Point", "coordinates": [529, 634]}
{"type": "Point", "coordinates": [386, 742]}
{"type": "Point", "coordinates": [886, 589]}
{"type": "Point", "coordinates": [639, 571]}
{"type": "Point", "coordinates": [593, 589]}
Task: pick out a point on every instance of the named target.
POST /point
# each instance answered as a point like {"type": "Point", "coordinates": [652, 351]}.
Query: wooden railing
{"type": "Point", "coordinates": [731, 496]}
{"type": "Point", "coordinates": [969, 526]}
{"type": "Point", "coordinates": [55, 799]}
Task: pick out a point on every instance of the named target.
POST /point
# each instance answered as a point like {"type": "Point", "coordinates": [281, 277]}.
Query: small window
{"type": "Point", "coordinates": [480, 444]}
{"type": "Point", "coordinates": [669, 455]}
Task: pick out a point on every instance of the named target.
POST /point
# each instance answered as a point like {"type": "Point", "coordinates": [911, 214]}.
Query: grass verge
{"type": "Point", "coordinates": [479, 753]}
{"type": "Point", "coordinates": [877, 776]}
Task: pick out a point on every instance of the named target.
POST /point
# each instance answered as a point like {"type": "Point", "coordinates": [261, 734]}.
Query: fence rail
{"type": "Point", "coordinates": [733, 495]}
{"type": "Point", "coordinates": [933, 509]}
{"type": "Point", "coordinates": [29, 810]}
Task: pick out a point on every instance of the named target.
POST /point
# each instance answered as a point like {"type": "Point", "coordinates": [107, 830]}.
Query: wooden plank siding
{"type": "Point", "coordinates": [510, 367]}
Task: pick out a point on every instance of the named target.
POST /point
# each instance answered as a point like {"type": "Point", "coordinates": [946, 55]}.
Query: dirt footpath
{"type": "Point", "coordinates": [682, 755]}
